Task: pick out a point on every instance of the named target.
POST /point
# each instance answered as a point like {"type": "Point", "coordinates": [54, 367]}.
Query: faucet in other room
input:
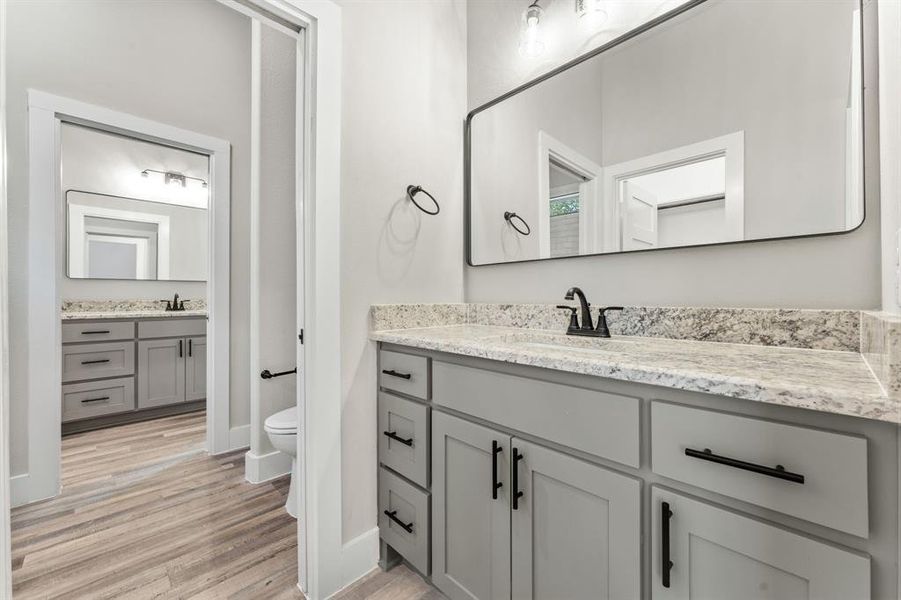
{"type": "Point", "coordinates": [174, 304]}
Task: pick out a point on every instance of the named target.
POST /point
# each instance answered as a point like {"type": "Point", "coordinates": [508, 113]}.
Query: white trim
{"type": "Point", "coordinates": [264, 467]}
{"type": "Point", "coordinates": [46, 112]}
{"type": "Point", "coordinates": [239, 437]}
{"type": "Point", "coordinates": [19, 486]}
{"type": "Point", "coordinates": [731, 145]}
{"type": "Point", "coordinates": [360, 556]}
{"type": "Point", "coordinates": [890, 154]}
{"type": "Point", "coordinates": [5, 535]}
{"type": "Point", "coordinates": [552, 148]}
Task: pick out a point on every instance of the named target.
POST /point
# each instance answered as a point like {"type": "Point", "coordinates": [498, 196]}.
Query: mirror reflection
{"type": "Point", "coordinates": [135, 209]}
{"type": "Point", "coordinates": [732, 121]}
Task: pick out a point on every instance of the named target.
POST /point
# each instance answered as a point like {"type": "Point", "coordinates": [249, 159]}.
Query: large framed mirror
{"type": "Point", "coordinates": [723, 121]}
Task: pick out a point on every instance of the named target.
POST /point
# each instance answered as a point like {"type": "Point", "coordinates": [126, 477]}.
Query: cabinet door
{"type": "Point", "coordinates": [195, 369]}
{"type": "Point", "coordinates": [576, 529]}
{"type": "Point", "coordinates": [470, 527]}
{"type": "Point", "coordinates": [161, 372]}
{"type": "Point", "coordinates": [715, 553]}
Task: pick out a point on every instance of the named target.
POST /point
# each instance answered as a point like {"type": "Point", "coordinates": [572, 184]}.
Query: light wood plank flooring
{"type": "Point", "coordinates": [146, 513]}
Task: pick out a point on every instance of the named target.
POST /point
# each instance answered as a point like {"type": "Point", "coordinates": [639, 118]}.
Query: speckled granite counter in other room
{"type": "Point", "coordinates": [72, 310]}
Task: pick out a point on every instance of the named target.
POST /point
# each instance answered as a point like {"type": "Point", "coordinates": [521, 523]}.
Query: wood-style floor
{"type": "Point", "coordinates": [146, 513]}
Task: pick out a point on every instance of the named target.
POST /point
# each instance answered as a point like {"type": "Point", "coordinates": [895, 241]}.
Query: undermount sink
{"type": "Point", "coordinates": [551, 341]}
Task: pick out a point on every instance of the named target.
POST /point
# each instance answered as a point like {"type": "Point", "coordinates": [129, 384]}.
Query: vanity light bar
{"type": "Point", "coordinates": [174, 177]}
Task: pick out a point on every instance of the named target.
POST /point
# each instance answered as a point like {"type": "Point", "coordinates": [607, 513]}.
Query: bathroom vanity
{"type": "Point", "coordinates": [119, 369]}
{"type": "Point", "coordinates": [532, 465]}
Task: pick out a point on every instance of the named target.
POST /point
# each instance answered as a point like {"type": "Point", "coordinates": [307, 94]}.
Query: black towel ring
{"type": "Point", "coordinates": [509, 216]}
{"type": "Point", "coordinates": [412, 190]}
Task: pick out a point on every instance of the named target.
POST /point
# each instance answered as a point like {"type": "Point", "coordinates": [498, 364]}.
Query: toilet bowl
{"type": "Point", "coordinates": [282, 430]}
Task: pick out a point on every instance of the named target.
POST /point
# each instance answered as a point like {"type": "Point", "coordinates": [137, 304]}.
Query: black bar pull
{"type": "Point", "coordinates": [190, 348]}
{"type": "Point", "coordinates": [778, 471]}
{"type": "Point", "coordinates": [181, 348]}
{"type": "Point", "coordinates": [495, 484]}
{"type": "Point", "coordinates": [95, 332]}
{"type": "Point", "coordinates": [665, 563]}
{"type": "Point", "coordinates": [408, 527]}
{"type": "Point", "coordinates": [394, 373]}
{"type": "Point", "coordinates": [393, 435]}
{"type": "Point", "coordinates": [95, 362]}
{"type": "Point", "coordinates": [86, 400]}
{"type": "Point", "coordinates": [514, 483]}
{"type": "Point", "coordinates": [265, 374]}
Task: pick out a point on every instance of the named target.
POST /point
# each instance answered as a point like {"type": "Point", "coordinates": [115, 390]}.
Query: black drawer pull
{"type": "Point", "coordinates": [408, 527]}
{"type": "Point", "coordinates": [778, 471]}
{"type": "Point", "coordinates": [86, 400]}
{"type": "Point", "coordinates": [181, 348]}
{"type": "Point", "coordinates": [394, 373]}
{"type": "Point", "coordinates": [495, 484]}
{"type": "Point", "coordinates": [393, 435]}
{"type": "Point", "coordinates": [95, 362]}
{"type": "Point", "coordinates": [514, 479]}
{"type": "Point", "coordinates": [95, 332]}
{"type": "Point", "coordinates": [665, 563]}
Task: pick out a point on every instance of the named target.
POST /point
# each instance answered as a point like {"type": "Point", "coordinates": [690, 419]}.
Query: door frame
{"type": "Point", "coordinates": [46, 251]}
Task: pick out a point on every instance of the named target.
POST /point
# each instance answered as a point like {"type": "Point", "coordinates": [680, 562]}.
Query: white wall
{"type": "Point", "coordinates": [186, 64]}
{"type": "Point", "coordinates": [404, 89]}
{"type": "Point", "coordinates": [890, 150]}
{"type": "Point", "coordinates": [825, 272]}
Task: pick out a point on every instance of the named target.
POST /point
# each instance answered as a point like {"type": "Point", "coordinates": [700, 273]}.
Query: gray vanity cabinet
{"type": "Point", "coordinates": [576, 530]}
{"type": "Point", "coordinates": [161, 372]}
{"type": "Point", "coordinates": [470, 527]}
{"type": "Point", "coordinates": [195, 369]}
{"type": "Point", "coordinates": [717, 553]}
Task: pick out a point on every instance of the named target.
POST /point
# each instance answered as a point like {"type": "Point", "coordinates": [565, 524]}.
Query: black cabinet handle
{"type": "Point", "coordinates": [393, 435]}
{"type": "Point", "coordinates": [95, 332]}
{"type": "Point", "coordinates": [181, 348]}
{"type": "Point", "coordinates": [408, 527]}
{"type": "Point", "coordinates": [95, 362]}
{"type": "Point", "coordinates": [394, 373]}
{"type": "Point", "coordinates": [86, 400]}
{"type": "Point", "coordinates": [666, 564]}
{"type": "Point", "coordinates": [190, 348]}
{"type": "Point", "coordinates": [514, 479]}
{"type": "Point", "coordinates": [778, 471]}
{"type": "Point", "coordinates": [495, 484]}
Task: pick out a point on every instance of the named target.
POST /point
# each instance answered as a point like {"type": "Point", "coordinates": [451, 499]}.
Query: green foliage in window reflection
{"type": "Point", "coordinates": [564, 205]}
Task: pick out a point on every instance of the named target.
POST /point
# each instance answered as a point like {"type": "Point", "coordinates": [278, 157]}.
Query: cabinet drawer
{"type": "Point", "coordinates": [93, 361]}
{"type": "Point", "coordinates": [171, 328]}
{"type": "Point", "coordinates": [98, 398]}
{"type": "Point", "coordinates": [404, 437]}
{"type": "Point", "coordinates": [98, 332]}
{"type": "Point", "coordinates": [404, 519]}
{"type": "Point", "coordinates": [600, 423]}
{"type": "Point", "coordinates": [763, 463]}
{"type": "Point", "coordinates": [404, 373]}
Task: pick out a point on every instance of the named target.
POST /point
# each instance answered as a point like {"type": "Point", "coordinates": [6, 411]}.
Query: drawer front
{"type": "Point", "coordinates": [600, 423]}
{"type": "Point", "coordinates": [407, 530]}
{"type": "Point", "coordinates": [161, 328]}
{"type": "Point", "coordinates": [93, 361]}
{"type": "Point", "coordinates": [404, 373]}
{"type": "Point", "coordinates": [762, 463]}
{"type": "Point", "coordinates": [404, 437]}
{"type": "Point", "coordinates": [98, 332]}
{"type": "Point", "coordinates": [98, 398]}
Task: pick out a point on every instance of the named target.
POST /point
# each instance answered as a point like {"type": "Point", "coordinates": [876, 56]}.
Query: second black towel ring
{"type": "Point", "coordinates": [412, 190]}
{"type": "Point", "coordinates": [509, 216]}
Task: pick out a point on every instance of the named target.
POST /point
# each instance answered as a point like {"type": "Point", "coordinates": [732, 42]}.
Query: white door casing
{"type": "Point", "coordinates": [639, 210]}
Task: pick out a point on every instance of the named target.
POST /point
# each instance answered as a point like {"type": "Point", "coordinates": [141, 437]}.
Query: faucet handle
{"type": "Point", "coordinates": [573, 319]}
{"type": "Point", "coordinates": [602, 329]}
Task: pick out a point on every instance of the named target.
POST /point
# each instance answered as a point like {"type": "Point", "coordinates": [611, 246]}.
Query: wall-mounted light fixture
{"type": "Point", "coordinates": [174, 178]}
{"type": "Point", "coordinates": [531, 43]}
{"type": "Point", "coordinates": [591, 13]}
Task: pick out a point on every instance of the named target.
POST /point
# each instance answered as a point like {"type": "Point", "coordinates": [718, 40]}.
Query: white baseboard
{"type": "Point", "coordinates": [263, 467]}
{"type": "Point", "coordinates": [239, 437]}
{"type": "Point", "coordinates": [19, 492]}
{"type": "Point", "coordinates": [359, 556]}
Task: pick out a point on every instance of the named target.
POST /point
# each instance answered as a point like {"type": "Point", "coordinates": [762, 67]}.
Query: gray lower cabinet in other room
{"type": "Point", "coordinates": [702, 551]}
{"type": "Point", "coordinates": [161, 372]}
{"type": "Point", "coordinates": [195, 369]}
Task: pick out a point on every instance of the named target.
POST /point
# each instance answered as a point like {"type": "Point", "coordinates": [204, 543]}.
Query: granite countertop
{"type": "Point", "coordinates": [130, 314]}
{"type": "Point", "coordinates": [831, 381]}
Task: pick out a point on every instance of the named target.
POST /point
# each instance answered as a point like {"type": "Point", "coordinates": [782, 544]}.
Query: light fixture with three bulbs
{"type": "Point", "coordinates": [591, 14]}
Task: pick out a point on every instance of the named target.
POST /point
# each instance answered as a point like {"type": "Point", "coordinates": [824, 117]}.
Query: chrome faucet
{"type": "Point", "coordinates": [587, 328]}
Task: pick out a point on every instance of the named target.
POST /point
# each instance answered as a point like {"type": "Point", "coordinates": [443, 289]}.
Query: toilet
{"type": "Point", "coordinates": [282, 430]}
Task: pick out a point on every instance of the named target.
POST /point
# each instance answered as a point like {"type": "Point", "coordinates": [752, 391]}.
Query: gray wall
{"type": "Point", "coordinates": [182, 63]}
{"type": "Point", "coordinates": [825, 272]}
{"type": "Point", "coordinates": [404, 90]}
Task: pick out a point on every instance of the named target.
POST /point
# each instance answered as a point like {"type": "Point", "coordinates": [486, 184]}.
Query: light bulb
{"type": "Point", "coordinates": [530, 42]}
{"type": "Point", "coordinates": [591, 13]}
